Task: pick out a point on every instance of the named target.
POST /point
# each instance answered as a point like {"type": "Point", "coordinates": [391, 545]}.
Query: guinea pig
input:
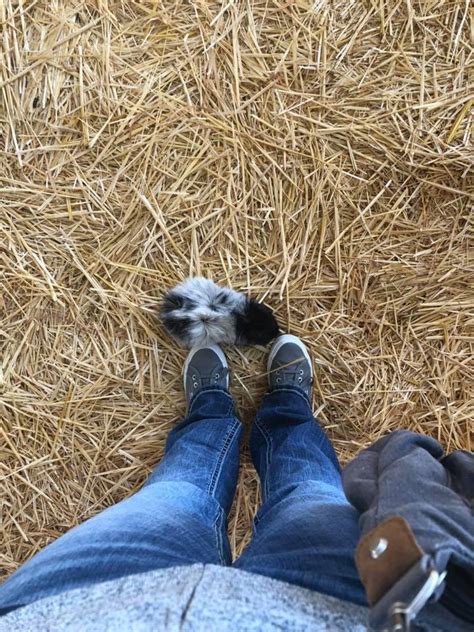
{"type": "Point", "coordinates": [198, 312]}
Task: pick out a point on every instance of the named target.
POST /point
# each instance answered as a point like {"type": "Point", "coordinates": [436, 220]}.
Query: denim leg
{"type": "Point", "coordinates": [179, 517]}
{"type": "Point", "coordinates": [306, 531]}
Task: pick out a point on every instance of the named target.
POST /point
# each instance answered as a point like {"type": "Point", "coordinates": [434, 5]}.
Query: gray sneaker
{"type": "Point", "coordinates": [205, 366]}
{"type": "Point", "coordinates": [289, 364]}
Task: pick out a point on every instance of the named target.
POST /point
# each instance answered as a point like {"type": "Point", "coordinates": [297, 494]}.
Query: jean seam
{"type": "Point", "coordinates": [230, 409]}
{"type": "Point", "coordinates": [218, 535]}
{"type": "Point", "coordinates": [268, 453]}
{"type": "Point", "coordinates": [229, 437]}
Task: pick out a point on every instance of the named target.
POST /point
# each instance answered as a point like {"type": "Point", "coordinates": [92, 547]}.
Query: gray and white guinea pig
{"type": "Point", "coordinates": [198, 312]}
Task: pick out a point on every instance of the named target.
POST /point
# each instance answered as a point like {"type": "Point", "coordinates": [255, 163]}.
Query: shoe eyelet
{"type": "Point", "coordinates": [301, 372]}
{"type": "Point", "coordinates": [217, 376]}
{"type": "Point", "coordinates": [278, 380]}
{"type": "Point", "coordinates": [194, 377]}
{"type": "Point", "coordinates": [195, 384]}
{"type": "Point", "coordinates": [300, 379]}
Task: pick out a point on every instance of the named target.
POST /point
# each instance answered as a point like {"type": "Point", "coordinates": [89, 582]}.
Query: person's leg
{"type": "Point", "coordinates": [178, 518]}
{"type": "Point", "coordinates": [306, 531]}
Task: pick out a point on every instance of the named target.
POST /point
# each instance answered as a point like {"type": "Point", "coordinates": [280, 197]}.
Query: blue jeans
{"type": "Point", "coordinates": [305, 532]}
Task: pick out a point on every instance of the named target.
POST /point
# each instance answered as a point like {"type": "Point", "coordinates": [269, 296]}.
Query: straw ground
{"type": "Point", "coordinates": [313, 154]}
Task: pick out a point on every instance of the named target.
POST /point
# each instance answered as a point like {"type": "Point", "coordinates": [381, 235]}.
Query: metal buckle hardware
{"type": "Point", "coordinates": [402, 615]}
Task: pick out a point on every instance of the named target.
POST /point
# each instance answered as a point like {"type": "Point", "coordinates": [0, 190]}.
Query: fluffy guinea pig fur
{"type": "Point", "coordinates": [198, 312]}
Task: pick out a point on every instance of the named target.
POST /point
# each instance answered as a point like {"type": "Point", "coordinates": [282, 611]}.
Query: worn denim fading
{"type": "Point", "coordinates": [305, 532]}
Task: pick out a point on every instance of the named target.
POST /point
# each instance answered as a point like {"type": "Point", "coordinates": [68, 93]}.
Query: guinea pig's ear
{"type": "Point", "coordinates": [170, 302]}
{"type": "Point", "coordinates": [180, 327]}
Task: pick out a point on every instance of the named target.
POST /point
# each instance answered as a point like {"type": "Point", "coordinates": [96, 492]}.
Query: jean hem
{"type": "Point", "coordinates": [295, 390]}
{"type": "Point", "coordinates": [205, 390]}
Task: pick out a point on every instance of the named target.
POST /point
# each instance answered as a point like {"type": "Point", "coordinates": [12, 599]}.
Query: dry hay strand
{"type": "Point", "coordinates": [316, 155]}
